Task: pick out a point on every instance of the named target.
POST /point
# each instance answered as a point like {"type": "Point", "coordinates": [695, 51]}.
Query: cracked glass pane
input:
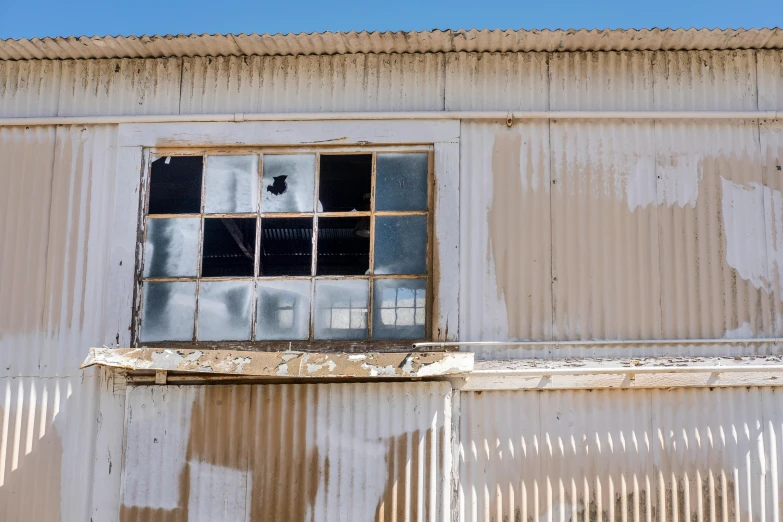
{"type": "Point", "coordinates": [399, 308]}
{"type": "Point", "coordinates": [341, 309]}
{"type": "Point", "coordinates": [231, 184]}
{"type": "Point", "coordinates": [224, 310]}
{"type": "Point", "coordinates": [283, 311]}
{"type": "Point", "coordinates": [401, 181]}
{"type": "Point", "coordinates": [168, 311]}
{"type": "Point", "coordinates": [400, 244]}
{"type": "Point", "coordinates": [171, 247]}
{"type": "Point", "coordinates": [288, 183]}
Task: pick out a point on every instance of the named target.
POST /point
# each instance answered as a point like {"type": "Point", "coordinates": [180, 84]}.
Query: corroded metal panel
{"type": "Point", "coordinates": [359, 82]}
{"type": "Point", "coordinates": [29, 88]}
{"type": "Point", "coordinates": [288, 452]}
{"type": "Point", "coordinates": [705, 80]}
{"type": "Point", "coordinates": [769, 72]}
{"type": "Point", "coordinates": [505, 237]}
{"type": "Point", "coordinates": [497, 81]}
{"type": "Point", "coordinates": [604, 231]}
{"type": "Point", "coordinates": [605, 81]}
{"type": "Point", "coordinates": [472, 40]}
{"type": "Point", "coordinates": [119, 87]}
{"type": "Point", "coordinates": [620, 455]}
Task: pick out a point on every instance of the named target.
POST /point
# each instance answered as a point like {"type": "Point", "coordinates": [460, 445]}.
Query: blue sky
{"type": "Point", "coordinates": [38, 18]}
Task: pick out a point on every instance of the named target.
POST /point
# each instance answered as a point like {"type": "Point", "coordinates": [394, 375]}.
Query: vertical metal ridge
{"type": "Point", "coordinates": [29, 88]}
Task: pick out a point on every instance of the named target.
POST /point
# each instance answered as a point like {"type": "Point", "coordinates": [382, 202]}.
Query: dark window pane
{"type": "Point", "coordinates": [399, 309]}
{"type": "Point", "coordinates": [400, 244]}
{"type": "Point", "coordinates": [286, 246]}
{"type": "Point", "coordinates": [343, 246]}
{"type": "Point", "coordinates": [175, 185]}
{"type": "Point", "coordinates": [229, 247]}
{"type": "Point", "coordinates": [401, 182]}
{"type": "Point", "coordinates": [167, 311]}
{"type": "Point", "coordinates": [345, 183]}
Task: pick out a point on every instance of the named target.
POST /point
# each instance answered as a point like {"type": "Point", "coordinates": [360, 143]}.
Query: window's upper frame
{"type": "Point", "coordinates": [152, 153]}
{"type": "Point", "coordinates": [133, 138]}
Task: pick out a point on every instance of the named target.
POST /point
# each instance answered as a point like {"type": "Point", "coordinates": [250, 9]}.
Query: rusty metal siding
{"type": "Point", "coordinates": [360, 82]}
{"type": "Point", "coordinates": [29, 88]}
{"type": "Point", "coordinates": [119, 87]}
{"type": "Point", "coordinates": [605, 242]}
{"type": "Point", "coordinates": [769, 71]}
{"type": "Point", "coordinates": [288, 452]}
{"type": "Point", "coordinates": [601, 81]}
{"type": "Point", "coordinates": [497, 81]}
{"type": "Point", "coordinates": [705, 80]}
{"type": "Point", "coordinates": [664, 455]}
{"type": "Point", "coordinates": [505, 238]}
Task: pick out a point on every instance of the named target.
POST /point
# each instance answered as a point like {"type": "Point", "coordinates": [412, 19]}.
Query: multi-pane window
{"type": "Point", "coordinates": [286, 246]}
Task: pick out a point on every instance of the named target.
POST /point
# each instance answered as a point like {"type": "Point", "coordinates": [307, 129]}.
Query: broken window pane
{"type": "Point", "coordinates": [168, 311]}
{"type": "Point", "coordinates": [231, 184]}
{"type": "Point", "coordinates": [341, 309]}
{"type": "Point", "coordinates": [286, 246]}
{"type": "Point", "coordinates": [399, 309]}
{"type": "Point", "coordinates": [175, 185]}
{"type": "Point", "coordinates": [400, 244]}
{"type": "Point", "coordinates": [283, 311]}
{"type": "Point", "coordinates": [345, 182]}
{"type": "Point", "coordinates": [171, 247]}
{"type": "Point", "coordinates": [288, 183]}
{"type": "Point", "coordinates": [343, 246]}
{"type": "Point", "coordinates": [224, 310]}
{"type": "Point", "coordinates": [401, 181]}
{"type": "Point", "coordinates": [229, 247]}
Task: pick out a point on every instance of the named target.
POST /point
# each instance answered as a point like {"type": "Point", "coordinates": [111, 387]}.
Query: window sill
{"type": "Point", "coordinates": [284, 364]}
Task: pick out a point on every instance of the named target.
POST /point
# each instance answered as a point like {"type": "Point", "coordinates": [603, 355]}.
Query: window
{"type": "Point", "coordinates": [297, 246]}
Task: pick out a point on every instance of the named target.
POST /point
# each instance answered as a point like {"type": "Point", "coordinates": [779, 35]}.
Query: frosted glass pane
{"type": "Point", "coordinates": [168, 311]}
{"type": "Point", "coordinates": [400, 244]}
{"type": "Point", "coordinates": [231, 184]}
{"type": "Point", "coordinates": [288, 183]}
{"type": "Point", "coordinates": [224, 310]}
{"type": "Point", "coordinates": [399, 309]}
{"type": "Point", "coordinates": [283, 311]}
{"type": "Point", "coordinates": [171, 247]}
{"type": "Point", "coordinates": [341, 309]}
{"type": "Point", "coordinates": [401, 181]}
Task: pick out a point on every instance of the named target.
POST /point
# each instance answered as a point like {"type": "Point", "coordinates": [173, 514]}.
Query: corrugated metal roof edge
{"type": "Point", "coordinates": [327, 43]}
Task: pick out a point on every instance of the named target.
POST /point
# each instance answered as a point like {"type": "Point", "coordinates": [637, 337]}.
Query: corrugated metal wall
{"type": "Point", "coordinates": [569, 230]}
{"type": "Point", "coordinates": [352, 452]}
{"type": "Point", "coordinates": [635, 456]}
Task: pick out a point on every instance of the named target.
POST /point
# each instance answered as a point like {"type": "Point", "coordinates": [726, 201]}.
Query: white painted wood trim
{"type": "Point", "coordinates": [446, 243]}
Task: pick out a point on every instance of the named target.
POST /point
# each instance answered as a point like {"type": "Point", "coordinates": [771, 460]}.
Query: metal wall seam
{"type": "Point", "coordinates": [294, 452]}
{"type": "Point", "coordinates": [386, 82]}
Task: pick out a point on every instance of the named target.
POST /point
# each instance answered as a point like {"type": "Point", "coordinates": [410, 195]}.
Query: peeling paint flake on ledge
{"type": "Point", "coordinates": [284, 364]}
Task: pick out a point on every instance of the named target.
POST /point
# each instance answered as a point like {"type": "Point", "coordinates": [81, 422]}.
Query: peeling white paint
{"type": "Point", "coordinates": [171, 359]}
{"type": "Point", "coordinates": [359, 357]}
{"type": "Point", "coordinates": [640, 186]}
{"type": "Point", "coordinates": [376, 371]}
{"type": "Point", "coordinates": [207, 503]}
{"type": "Point", "coordinates": [447, 365]}
{"type": "Point", "coordinates": [745, 331]}
{"type": "Point", "coordinates": [680, 176]}
{"type": "Point", "coordinates": [282, 369]}
{"type": "Point", "coordinates": [744, 226]}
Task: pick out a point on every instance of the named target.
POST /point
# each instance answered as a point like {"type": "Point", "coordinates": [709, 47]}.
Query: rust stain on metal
{"type": "Point", "coordinates": [284, 364]}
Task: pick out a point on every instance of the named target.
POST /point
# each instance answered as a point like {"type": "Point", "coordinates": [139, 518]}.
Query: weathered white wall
{"type": "Point", "coordinates": [567, 229]}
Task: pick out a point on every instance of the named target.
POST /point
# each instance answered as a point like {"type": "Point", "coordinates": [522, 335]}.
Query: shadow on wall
{"type": "Point", "coordinates": [620, 455]}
